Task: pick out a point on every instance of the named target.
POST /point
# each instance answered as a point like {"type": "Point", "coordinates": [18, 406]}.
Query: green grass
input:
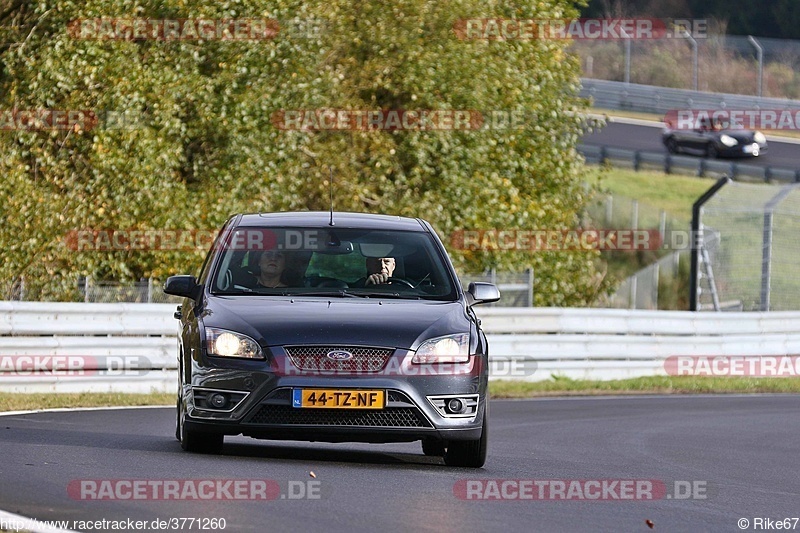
{"type": "Point", "coordinates": [673, 193]}
{"type": "Point", "coordinates": [10, 401]}
{"type": "Point", "coordinates": [611, 113]}
{"type": "Point", "coordinates": [559, 386]}
{"type": "Point", "coordinates": [556, 386]}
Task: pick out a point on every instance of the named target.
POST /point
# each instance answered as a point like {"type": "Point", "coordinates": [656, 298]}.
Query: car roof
{"type": "Point", "coordinates": [317, 219]}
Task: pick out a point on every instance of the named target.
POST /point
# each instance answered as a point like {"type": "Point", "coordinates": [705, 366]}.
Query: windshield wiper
{"type": "Point", "coordinates": [397, 295]}
{"type": "Point", "coordinates": [341, 293]}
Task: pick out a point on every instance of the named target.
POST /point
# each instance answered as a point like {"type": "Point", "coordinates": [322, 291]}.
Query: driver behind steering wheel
{"type": "Point", "coordinates": [379, 270]}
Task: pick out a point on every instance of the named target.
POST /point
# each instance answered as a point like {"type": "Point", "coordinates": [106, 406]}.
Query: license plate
{"type": "Point", "coordinates": [339, 398]}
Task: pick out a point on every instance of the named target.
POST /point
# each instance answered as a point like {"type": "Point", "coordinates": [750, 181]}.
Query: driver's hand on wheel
{"type": "Point", "coordinates": [377, 279]}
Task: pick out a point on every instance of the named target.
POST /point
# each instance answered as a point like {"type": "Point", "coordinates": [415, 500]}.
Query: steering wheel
{"type": "Point", "coordinates": [401, 281]}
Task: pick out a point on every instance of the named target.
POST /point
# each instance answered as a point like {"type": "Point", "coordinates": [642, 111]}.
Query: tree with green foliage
{"type": "Point", "coordinates": [198, 139]}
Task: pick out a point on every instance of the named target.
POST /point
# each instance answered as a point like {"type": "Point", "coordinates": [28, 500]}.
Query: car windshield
{"type": "Point", "coordinates": [331, 262]}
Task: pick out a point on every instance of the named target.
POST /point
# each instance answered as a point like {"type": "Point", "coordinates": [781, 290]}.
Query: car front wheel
{"type": "Point", "coordinates": [196, 441]}
{"type": "Point", "coordinates": [711, 151]}
{"type": "Point", "coordinates": [469, 453]}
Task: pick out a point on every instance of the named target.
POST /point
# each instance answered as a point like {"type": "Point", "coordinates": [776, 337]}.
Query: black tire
{"type": "Point", "coordinates": [711, 151]}
{"type": "Point", "coordinates": [672, 145]}
{"type": "Point", "coordinates": [469, 453]}
{"type": "Point", "coordinates": [433, 448]}
{"type": "Point", "coordinates": [196, 441]}
{"type": "Point", "coordinates": [178, 421]}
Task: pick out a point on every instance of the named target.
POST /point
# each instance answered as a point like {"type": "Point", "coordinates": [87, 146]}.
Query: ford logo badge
{"type": "Point", "coordinates": [339, 355]}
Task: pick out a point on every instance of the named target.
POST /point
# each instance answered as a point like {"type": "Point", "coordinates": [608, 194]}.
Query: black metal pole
{"type": "Point", "coordinates": [696, 239]}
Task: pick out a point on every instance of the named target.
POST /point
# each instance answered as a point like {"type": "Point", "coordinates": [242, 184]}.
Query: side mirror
{"type": "Point", "coordinates": [185, 286]}
{"type": "Point", "coordinates": [482, 293]}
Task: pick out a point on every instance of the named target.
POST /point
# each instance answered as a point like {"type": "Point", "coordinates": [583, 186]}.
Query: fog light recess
{"type": "Point", "coordinates": [455, 405]}
{"type": "Point", "coordinates": [217, 400]}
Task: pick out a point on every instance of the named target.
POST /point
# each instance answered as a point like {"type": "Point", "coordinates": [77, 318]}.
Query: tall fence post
{"type": "Point", "coordinates": [766, 245]}
{"type": "Point", "coordinates": [627, 57]}
{"type": "Point", "coordinates": [693, 42]}
{"type": "Point", "coordinates": [760, 58]}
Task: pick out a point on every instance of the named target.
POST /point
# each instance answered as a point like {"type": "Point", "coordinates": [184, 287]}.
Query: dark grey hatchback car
{"type": "Point", "coordinates": [335, 327]}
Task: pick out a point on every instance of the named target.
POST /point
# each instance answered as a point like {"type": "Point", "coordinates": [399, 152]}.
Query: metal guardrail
{"type": "Point", "coordinates": [651, 99]}
{"type": "Point", "coordinates": [516, 289]}
{"type": "Point", "coordinates": [132, 348]}
{"type": "Point", "coordinates": [677, 164]}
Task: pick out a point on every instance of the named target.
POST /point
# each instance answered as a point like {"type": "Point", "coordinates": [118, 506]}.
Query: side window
{"type": "Point", "coordinates": [204, 270]}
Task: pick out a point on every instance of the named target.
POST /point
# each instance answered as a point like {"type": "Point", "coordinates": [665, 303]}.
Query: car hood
{"type": "Point", "coordinates": [274, 321]}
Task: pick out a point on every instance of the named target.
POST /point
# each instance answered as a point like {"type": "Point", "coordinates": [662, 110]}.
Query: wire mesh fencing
{"type": "Point", "coordinates": [643, 289]}
{"type": "Point", "coordinates": [719, 63]}
{"type": "Point", "coordinates": [748, 248]}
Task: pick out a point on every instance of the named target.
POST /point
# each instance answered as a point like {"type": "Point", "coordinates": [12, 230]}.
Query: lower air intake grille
{"type": "Point", "coordinates": [391, 417]}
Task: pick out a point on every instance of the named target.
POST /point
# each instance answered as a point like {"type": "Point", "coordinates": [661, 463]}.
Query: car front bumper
{"type": "Point", "coordinates": [743, 150]}
{"type": "Point", "coordinates": [260, 405]}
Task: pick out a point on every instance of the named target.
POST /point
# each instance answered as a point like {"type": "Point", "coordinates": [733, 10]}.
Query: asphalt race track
{"type": "Point", "coordinates": [634, 135]}
{"type": "Point", "coordinates": [738, 453]}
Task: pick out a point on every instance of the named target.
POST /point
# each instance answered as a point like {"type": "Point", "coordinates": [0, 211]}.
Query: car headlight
{"type": "Point", "coordinates": [447, 349]}
{"type": "Point", "coordinates": [225, 343]}
{"type": "Point", "coordinates": [760, 138]}
{"type": "Point", "coordinates": [727, 140]}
